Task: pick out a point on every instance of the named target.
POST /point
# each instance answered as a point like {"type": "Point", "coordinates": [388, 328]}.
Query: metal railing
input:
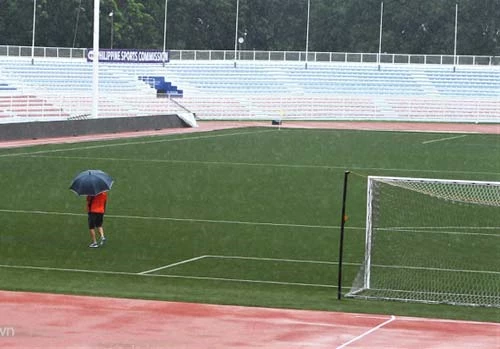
{"type": "Point", "coordinates": [270, 56]}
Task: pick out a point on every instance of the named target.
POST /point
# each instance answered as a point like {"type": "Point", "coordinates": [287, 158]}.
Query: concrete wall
{"type": "Point", "coordinates": [68, 128]}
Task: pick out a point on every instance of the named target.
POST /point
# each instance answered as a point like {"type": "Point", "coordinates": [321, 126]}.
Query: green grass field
{"type": "Point", "coordinates": [245, 216]}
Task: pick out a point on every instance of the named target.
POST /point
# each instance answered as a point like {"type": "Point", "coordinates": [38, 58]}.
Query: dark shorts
{"type": "Point", "coordinates": [95, 220]}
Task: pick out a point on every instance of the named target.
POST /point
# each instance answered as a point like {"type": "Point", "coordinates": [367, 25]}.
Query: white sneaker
{"type": "Point", "coordinates": [94, 245]}
{"type": "Point", "coordinates": [102, 240]}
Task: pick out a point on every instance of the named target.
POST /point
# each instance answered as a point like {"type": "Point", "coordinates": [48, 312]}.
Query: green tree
{"type": "Point", "coordinates": [16, 25]}
{"type": "Point", "coordinates": [480, 28]}
{"type": "Point", "coordinates": [134, 26]}
{"type": "Point", "coordinates": [415, 27]}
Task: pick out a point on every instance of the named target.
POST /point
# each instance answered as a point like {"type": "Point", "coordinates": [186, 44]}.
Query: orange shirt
{"type": "Point", "coordinates": [97, 204]}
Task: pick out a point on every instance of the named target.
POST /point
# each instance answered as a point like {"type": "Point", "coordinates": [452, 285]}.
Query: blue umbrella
{"type": "Point", "coordinates": [91, 182]}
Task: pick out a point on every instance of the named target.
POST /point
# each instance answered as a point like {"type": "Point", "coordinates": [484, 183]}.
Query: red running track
{"type": "Point", "coordinates": [35, 320]}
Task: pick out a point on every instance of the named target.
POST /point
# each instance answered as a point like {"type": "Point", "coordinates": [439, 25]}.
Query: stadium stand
{"type": "Point", "coordinates": [21, 106]}
{"type": "Point", "coordinates": [6, 87]}
{"type": "Point", "coordinates": [253, 90]}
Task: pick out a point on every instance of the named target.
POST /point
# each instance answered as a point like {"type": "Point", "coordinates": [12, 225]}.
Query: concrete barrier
{"type": "Point", "coordinates": [68, 128]}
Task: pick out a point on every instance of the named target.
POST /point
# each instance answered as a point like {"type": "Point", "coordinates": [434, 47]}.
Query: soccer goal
{"type": "Point", "coordinates": [432, 241]}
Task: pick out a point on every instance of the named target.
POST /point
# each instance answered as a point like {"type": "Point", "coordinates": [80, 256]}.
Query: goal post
{"type": "Point", "coordinates": [431, 241]}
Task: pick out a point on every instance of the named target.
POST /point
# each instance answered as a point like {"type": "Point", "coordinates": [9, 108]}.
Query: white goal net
{"type": "Point", "coordinates": [432, 241]}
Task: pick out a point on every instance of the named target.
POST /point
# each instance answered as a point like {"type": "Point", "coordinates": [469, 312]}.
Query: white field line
{"type": "Point", "coordinates": [180, 219]}
{"type": "Point", "coordinates": [443, 139]}
{"type": "Point", "coordinates": [232, 222]}
{"type": "Point", "coordinates": [43, 212]}
{"type": "Point", "coordinates": [396, 229]}
{"type": "Point", "coordinates": [249, 223]}
{"type": "Point", "coordinates": [437, 230]}
{"type": "Point", "coordinates": [426, 293]}
{"type": "Point", "coordinates": [355, 339]}
{"type": "Point", "coordinates": [353, 264]}
{"type": "Point", "coordinates": [163, 140]}
{"type": "Point", "coordinates": [437, 269]}
{"type": "Point", "coordinates": [169, 161]}
{"type": "Point", "coordinates": [172, 265]}
{"type": "Point", "coordinates": [187, 277]}
{"type": "Point", "coordinates": [285, 260]}
{"type": "Point", "coordinates": [223, 163]}
{"type": "Point", "coordinates": [122, 144]}
{"type": "Point", "coordinates": [361, 229]}
{"type": "Point", "coordinates": [148, 272]}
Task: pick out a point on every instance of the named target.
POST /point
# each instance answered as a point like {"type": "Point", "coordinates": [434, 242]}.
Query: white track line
{"type": "Point", "coordinates": [171, 265]}
{"type": "Point", "coordinates": [443, 139]}
{"type": "Point", "coordinates": [451, 321]}
{"type": "Point", "coordinates": [355, 339]}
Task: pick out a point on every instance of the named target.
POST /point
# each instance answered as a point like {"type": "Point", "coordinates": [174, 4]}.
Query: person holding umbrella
{"type": "Point", "coordinates": [96, 207]}
{"type": "Point", "coordinates": [94, 184]}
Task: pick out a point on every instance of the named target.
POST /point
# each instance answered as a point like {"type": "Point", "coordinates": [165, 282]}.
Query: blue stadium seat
{"type": "Point", "coordinates": [162, 87]}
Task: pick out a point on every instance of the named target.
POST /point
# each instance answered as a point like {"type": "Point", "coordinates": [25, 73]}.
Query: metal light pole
{"type": "Point", "coordinates": [33, 37]}
{"type": "Point", "coordinates": [455, 41]}
{"type": "Point", "coordinates": [95, 62]}
{"type": "Point", "coordinates": [112, 15]}
{"type": "Point", "coordinates": [307, 30]}
{"type": "Point", "coordinates": [165, 32]}
{"type": "Point", "coordinates": [236, 31]}
{"type": "Point", "coordinates": [380, 33]}
{"type": "Point", "coordinates": [76, 22]}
